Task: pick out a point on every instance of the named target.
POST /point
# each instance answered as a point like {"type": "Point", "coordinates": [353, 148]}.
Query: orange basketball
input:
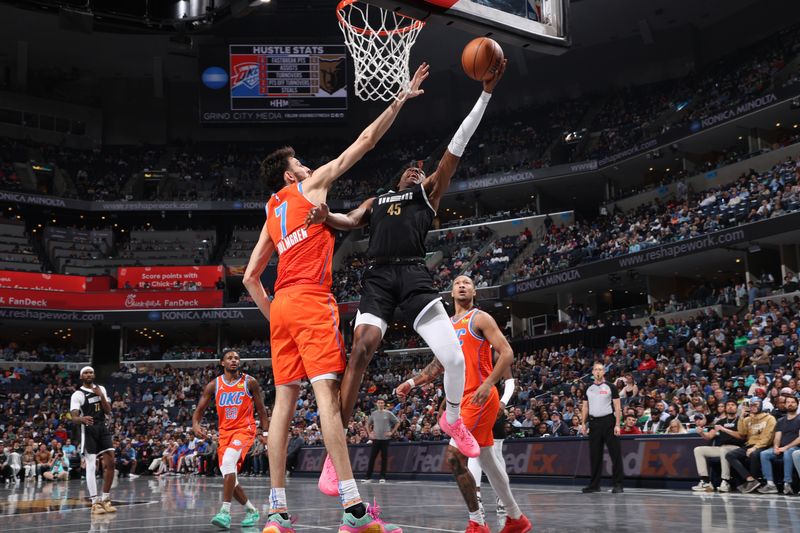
{"type": "Point", "coordinates": [481, 58]}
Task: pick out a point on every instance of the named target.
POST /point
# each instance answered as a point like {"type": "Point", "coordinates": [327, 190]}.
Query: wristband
{"type": "Point", "coordinates": [410, 381]}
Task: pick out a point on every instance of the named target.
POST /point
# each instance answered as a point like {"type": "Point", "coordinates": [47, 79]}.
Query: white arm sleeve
{"type": "Point", "coordinates": [468, 127]}
{"type": "Point", "coordinates": [508, 390]}
{"type": "Point", "coordinates": [76, 402]}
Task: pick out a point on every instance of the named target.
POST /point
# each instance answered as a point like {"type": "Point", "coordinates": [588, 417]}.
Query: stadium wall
{"type": "Point", "coordinates": [643, 457]}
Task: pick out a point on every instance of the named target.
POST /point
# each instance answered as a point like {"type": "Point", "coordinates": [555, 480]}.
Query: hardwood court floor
{"type": "Point", "coordinates": [187, 504]}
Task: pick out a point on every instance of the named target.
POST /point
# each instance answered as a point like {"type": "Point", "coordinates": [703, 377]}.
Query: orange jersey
{"type": "Point", "coordinates": [234, 405]}
{"type": "Point", "coordinates": [305, 255]}
{"type": "Point", "coordinates": [477, 352]}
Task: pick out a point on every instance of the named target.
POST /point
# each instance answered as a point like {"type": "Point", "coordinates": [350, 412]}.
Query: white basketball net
{"type": "Point", "coordinates": [380, 42]}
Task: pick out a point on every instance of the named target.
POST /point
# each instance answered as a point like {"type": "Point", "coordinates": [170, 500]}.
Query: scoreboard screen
{"type": "Point", "coordinates": [273, 83]}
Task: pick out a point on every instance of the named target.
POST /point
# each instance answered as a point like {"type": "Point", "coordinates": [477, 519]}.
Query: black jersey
{"type": "Point", "coordinates": [399, 224]}
{"type": "Point", "coordinates": [89, 404]}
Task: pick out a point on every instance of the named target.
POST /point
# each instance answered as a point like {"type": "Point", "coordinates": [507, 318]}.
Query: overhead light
{"type": "Point", "coordinates": [740, 137]}
{"type": "Point", "coordinates": [256, 3]}
{"type": "Point", "coordinates": [738, 260]}
{"type": "Point", "coordinates": [777, 124]}
{"type": "Point", "coordinates": [651, 169]}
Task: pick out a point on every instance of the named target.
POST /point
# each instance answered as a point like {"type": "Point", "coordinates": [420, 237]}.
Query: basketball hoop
{"type": "Point", "coordinates": [380, 42]}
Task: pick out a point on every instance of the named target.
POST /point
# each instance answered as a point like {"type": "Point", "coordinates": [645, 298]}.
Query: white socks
{"type": "Point", "coordinates": [249, 506]}
{"type": "Point", "coordinates": [226, 506]}
{"type": "Point", "coordinates": [277, 501]}
{"type": "Point", "coordinates": [435, 327]}
{"type": "Point", "coordinates": [348, 493]}
{"type": "Point", "coordinates": [476, 517]}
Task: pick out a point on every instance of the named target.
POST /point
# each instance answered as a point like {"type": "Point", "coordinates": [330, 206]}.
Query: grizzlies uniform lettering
{"type": "Point", "coordinates": [399, 224]}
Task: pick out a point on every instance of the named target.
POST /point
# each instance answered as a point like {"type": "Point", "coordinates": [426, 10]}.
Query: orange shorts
{"type": "Point", "coordinates": [238, 440]}
{"type": "Point", "coordinates": [480, 419]}
{"type": "Point", "coordinates": [304, 334]}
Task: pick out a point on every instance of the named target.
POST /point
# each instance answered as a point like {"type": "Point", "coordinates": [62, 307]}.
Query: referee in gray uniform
{"type": "Point", "coordinates": [602, 409]}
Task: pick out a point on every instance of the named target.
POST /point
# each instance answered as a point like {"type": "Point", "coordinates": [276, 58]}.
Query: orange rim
{"type": "Point", "coordinates": [413, 25]}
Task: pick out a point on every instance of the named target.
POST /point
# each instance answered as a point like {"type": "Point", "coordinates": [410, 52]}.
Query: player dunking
{"type": "Point", "coordinates": [479, 335]}
{"type": "Point", "coordinates": [397, 277]}
{"type": "Point", "coordinates": [304, 317]}
{"type": "Point", "coordinates": [89, 407]}
{"type": "Point", "coordinates": [235, 394]}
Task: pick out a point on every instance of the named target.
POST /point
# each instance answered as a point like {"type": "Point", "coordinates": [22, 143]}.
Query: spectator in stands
{"type": "Point", "coordinates": [629, 427]}
{"type": "Point", "coordinates": [7, 466]}
{"type": "Point", "coordinates": [757, 429]}
{"type": "Point", "coordinates": [723, 438]}
{"type": "Point", "coordinates": [785, 443]}
{"type": "Point", "coordinates": [43, 458]}
{"type": "Point", "coordinates": [557, 428]}
{"type": "Point", "coordinates": [296, 443]}
{"type": "Point", "coordinates": [126, 460]}
{"type": "Point", "coordinates": [58, 468]}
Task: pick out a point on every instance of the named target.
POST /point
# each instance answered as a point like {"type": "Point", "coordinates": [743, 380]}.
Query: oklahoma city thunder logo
{"type": "Point", "coordinates": [245, 74]}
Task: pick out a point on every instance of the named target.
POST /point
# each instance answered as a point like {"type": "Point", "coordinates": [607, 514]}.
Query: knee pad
{"type": "Point", "coordinates": [229, 460]}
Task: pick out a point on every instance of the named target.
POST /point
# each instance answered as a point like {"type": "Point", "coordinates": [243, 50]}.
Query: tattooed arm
{"type": "Point", "coordinates": [428, 374]}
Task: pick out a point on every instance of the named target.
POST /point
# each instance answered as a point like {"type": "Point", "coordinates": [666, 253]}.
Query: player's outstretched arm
{"type": "Point", "coordinates": [324, 176]}
{"type": "Point", "coordinates": [205, 399]}
{"type": "Point", "coordinates": [357, 218]}
{"type": "Point", "coordinates": [490, 331]}
{"type": "Point", "coordinates": [439, 181]}
{"type": "Point", "coordinates": [255, 267]}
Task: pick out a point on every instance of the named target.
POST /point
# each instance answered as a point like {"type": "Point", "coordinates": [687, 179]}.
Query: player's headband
{"type": "Point", "coordinates": [86, 369]}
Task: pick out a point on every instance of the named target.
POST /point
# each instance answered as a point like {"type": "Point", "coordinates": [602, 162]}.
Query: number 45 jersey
{"type": "Point", "coordinates": [306, 254]}
{"type": "Point", "coordinates": [234, 405]}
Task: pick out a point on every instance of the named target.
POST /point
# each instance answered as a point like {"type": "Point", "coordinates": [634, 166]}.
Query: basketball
{"type": "Point", "coordinates": [481, 58]}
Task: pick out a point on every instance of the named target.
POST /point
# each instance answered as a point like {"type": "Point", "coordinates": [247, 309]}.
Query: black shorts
{"type": "Point", "coordinates": [96, 439]}
{"type": "Point", "coordinates": [499, 428]}
{"type": "Point", "coordinates": [386, 287]}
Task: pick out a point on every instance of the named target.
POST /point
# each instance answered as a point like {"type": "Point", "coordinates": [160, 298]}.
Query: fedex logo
{"type": "Point", "coordinates": [231, 398]}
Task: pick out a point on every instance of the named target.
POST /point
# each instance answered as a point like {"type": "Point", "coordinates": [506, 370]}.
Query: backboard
{"type": "Point", "coordinates": [534, 24]}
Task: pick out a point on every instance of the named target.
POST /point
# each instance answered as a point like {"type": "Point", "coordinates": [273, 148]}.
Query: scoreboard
{"type": "Point", "coordinates": [274, 83]}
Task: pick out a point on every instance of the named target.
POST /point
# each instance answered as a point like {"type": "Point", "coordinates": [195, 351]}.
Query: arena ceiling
{"type": "Point", "coordinates": [127, 26]}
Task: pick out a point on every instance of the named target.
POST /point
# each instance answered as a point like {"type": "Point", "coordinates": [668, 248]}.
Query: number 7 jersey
{"type": "Point", "coordinates": [305, 255]}
{"type": "Point", "coordinates": [234, 405]}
